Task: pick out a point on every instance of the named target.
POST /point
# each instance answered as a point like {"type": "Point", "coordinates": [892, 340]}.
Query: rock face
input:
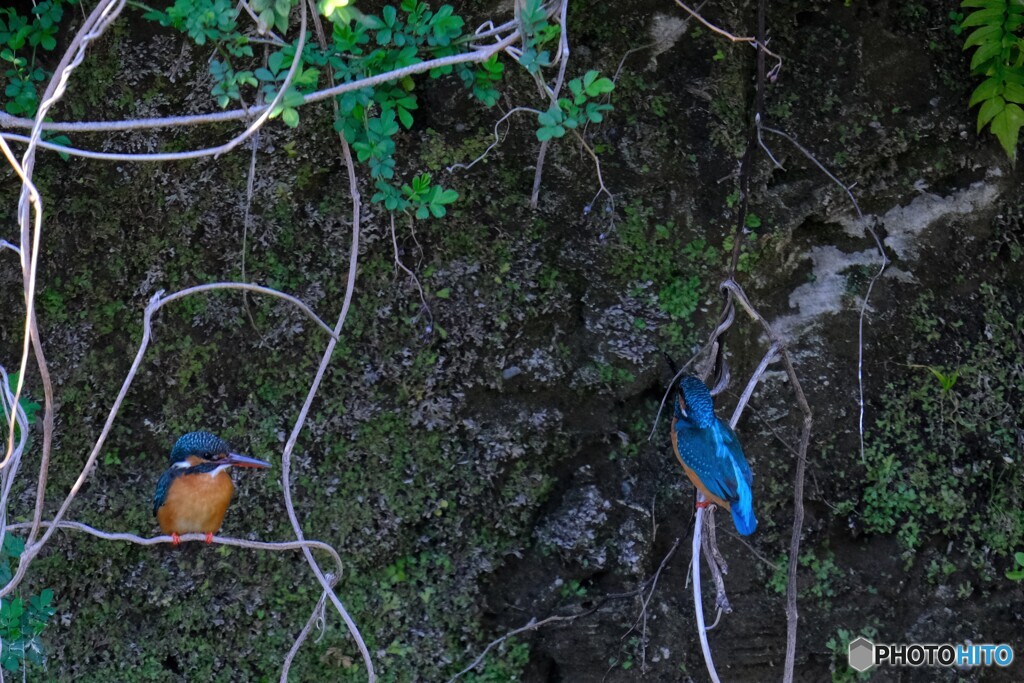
{"type": "Point", "coordinates": [481, 452]}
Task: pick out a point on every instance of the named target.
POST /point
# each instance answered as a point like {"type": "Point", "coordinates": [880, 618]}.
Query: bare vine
{"type": "Point", "coordinates": [535, 624]}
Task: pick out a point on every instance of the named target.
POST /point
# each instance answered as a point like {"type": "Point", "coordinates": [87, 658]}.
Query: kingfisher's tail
{"type": "Point", "coordinates": [742, 512]}
{"type": "Point", "coordinates": [744, 519]}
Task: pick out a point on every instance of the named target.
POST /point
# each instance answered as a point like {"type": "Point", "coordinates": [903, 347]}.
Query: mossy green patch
{"type": "Point", "coordinates": [943, 457]}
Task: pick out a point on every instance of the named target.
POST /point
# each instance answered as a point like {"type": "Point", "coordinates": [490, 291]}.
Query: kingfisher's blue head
{"type": "Point", "coordinates": [202, 445]}
{"type": "Point", "coordinates": [197, 448]}
{"type": "Point", "coordinates": [695, 402]}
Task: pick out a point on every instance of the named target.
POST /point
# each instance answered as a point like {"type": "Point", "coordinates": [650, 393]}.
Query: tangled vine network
{"type": "Point", "coordinates": [488, 41]}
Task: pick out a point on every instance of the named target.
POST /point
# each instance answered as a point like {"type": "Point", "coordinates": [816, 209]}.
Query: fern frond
{"type": "Point", "coordinates": [999, 58]}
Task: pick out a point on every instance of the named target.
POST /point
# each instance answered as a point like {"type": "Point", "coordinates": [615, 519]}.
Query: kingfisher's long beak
{"type": "Point", "coordinates": [244, 461]}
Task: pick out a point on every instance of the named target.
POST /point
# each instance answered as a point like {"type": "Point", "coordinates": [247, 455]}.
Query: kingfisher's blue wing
{"type": "Point", "coordinates": [732, 444]}
{"type": "Point", "coordinates": [715, 456]}
{"type": "Point", "coordinates": [702, 452]}
{"type": "Point", "coordinates": [737, 477]}
{"type": "Point", "coordinates": [162, 487]}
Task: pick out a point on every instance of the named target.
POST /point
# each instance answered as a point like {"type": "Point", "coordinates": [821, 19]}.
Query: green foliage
{"type": "Point", "coordinates": [573, 589]}
{"type": "Point", "coordinates": [20, 39]}
{"type": "Point", "coordinates": [537, 31]}
{"type": "Point", "coordinates": [577, 111]}
{"type": "Point", "coordinates": [228, 82]}
{"type": "Point", "coordinates": [273, 75]}
{"type": "Point", "coordinates": [481, 81]}
{"type": "Point", "coordinates": [821, 565]}
{"type": "Point", "coordinates": [429, 199]}
{"type": "Point", "coordinates": [369, 118]}
{"type": "Point", "coordinates": [613, 376]}
{"type": "Point", "coordinates": [21, 623]}
{"type": "Point", "coordinates": [273, 13]}
{"type": "Point", "coordinates": [947, 462]}
{"type": "Point", "coordinates": [1017, 574]}
{"type": "Point", "coordinates": [678, 271]}
{"type": "Point", "coordinates": [946, 381]}
{"type": "Point", "coordinates": [999, 58]}
{"type": "Point", "coordinates": [361, 45]}
{"type": "Point", "coordinates": [779, 578]}
{"type": "Point", "coordinates": [27, 405]}
{"type": "Point", "coordinates": [202, 20]}
{"type": "Point", "coordinates": [503, 666]}
{"type": "Point", "coordinates": [825, 571]}
{"type": "Point", "coordinates": [750, 251]}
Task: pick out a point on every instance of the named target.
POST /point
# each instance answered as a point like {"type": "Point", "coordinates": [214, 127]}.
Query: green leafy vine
{"type": "Point", "coordinates": [999, 57]}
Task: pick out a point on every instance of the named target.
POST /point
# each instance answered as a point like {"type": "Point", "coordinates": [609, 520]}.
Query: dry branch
{"type": "Point", "coordinates": [534, 624]}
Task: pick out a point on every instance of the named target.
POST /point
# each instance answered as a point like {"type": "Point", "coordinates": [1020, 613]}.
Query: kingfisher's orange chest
{"type": "Point", "coordinates": [694, 477]}
{"type": "Point", "coordinates": [194, 493]}
{"type": "Point", "coordinates": [196, 502]}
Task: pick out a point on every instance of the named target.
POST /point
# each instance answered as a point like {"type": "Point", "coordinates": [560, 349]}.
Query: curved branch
{"type": "Point", "coordinates": [304, 411]}
{"type": "Point", "coordinates": [102, 16]}
{"type": "Point", "coordinates": [476, 55]}
{"type": "Point", "coordinates": [317, 617]}
{"type": "Point", "coordinates": [220, 540]}
{"type": "Point", "coordinates": [698, 601]}
{"type": "Point", "coordinates": [259, 289]}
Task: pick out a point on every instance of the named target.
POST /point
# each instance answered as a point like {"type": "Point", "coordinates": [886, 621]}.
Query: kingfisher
{"type": "Point", "coordinates": [194, 493]}
{"type": "Point", "coordinates": [709, 451]}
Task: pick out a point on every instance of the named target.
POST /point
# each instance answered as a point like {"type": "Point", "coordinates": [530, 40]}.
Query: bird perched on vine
{"type": "Point", "coordinates": [194, 493]}
{"type": "Point", "coordinates": [710, 452]}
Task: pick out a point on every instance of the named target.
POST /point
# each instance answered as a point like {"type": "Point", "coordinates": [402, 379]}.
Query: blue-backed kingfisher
{"type": "Point", "coordinates": [193, 495]}
{"type": "Point", "coordinates": [710, 453]}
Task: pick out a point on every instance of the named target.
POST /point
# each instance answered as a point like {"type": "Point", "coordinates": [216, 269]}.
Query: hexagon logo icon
{"type": "Point", "coordinates": [861, 654]}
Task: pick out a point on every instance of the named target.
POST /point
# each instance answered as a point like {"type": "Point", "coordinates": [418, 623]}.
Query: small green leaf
{"type": "Point", "coordinates": [600, 87]}
{"type": "Point", "coordinates": [405, 117]}
{"type": "Point", "coordinates": [1014, 92]}
{"type": "Point", "coordinates": [986, 91]}
{"type": "Point", "coordinates": [13, 546]}
{"type": "Point", "coordinates": [290, 117]}
{"type": "Point", "coordinates": [989, 110]}
{"type": "Point", "coordinates": [984, 53]}
{"type": "Point", "coordinates": [1006, 126]}
{"type": "Point", "coordinates": [443, 293]}
{"type": "Point", "coordinates": [544, 134]}
{"type": "Point", "coordinates": [983, 3]}
{"type": "Point", "coordinates": [983, 35]}
{"type": "Point", "coordinates": [984, 16]}
{"type": "Point", "coordinates": [549, 118]}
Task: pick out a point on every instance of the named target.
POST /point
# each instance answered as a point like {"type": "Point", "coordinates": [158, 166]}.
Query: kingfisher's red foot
{"type": "Point", "coordinates": [175, 539]}
{"type": "Point", "coordinates": [209, 537]}
{"type": "Point", "coordinates": [701, 504]}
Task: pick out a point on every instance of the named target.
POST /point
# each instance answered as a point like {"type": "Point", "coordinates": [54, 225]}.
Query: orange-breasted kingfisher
{"type": "Point", "coordinates": [710, 453]}
{"type": "Point", "coordinates": [193, 495]}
